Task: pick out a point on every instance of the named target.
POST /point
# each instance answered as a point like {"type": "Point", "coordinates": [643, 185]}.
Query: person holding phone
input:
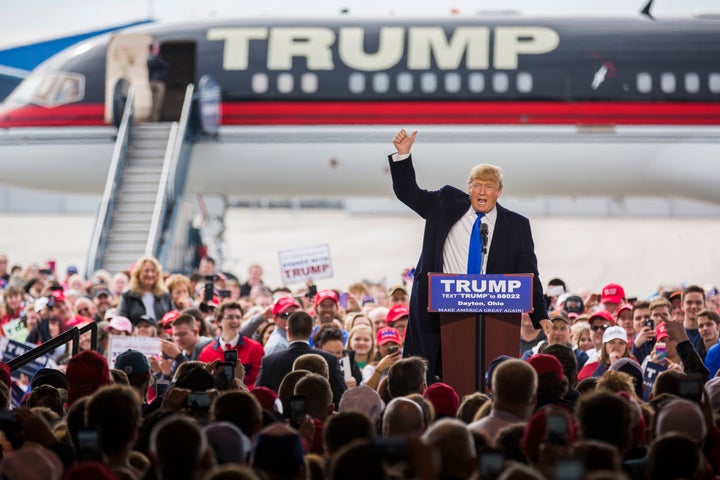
{"type": "Point", "coordinates": [388, 352]}
{"type": "Point", "coordinates": [250, 353]}
{"type": "Point", "coordinates": [329, 338]}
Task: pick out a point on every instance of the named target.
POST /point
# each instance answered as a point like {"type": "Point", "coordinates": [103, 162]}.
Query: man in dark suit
{"type": "Point", "coordinates": [449, 215]}
{"type": "Point", "coordinates": [275, 366]}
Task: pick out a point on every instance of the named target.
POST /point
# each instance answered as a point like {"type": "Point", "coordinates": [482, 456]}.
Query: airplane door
{"type": "Point", "coordinates": [127, 60]}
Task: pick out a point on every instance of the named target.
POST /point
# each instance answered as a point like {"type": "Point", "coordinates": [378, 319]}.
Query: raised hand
{"type": "Point", "coordinates": [403, 142]}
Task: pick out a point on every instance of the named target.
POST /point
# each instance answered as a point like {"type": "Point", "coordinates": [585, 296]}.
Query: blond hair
{"type": "Point", "coordinates": [158, 288]}
{"type": "Point", "coordinates": [486, 172]}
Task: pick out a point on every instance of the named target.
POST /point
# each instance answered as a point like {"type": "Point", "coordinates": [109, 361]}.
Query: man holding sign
{"type": "Point", "coordinates": [503, 243]}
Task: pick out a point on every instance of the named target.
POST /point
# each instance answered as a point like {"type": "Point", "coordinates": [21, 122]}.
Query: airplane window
{"type": "Point", "coordinates": [524, 82]}
{"type": "Point", "coordinates": [452, 83]}
{"type": "Point", "coordinates": [356, 83]}
{"type": "Point", "coordinates": [692, 82]}
{"type": "Point", "coordinates": [644, 82]}
{"type": "Point", "coordinates": [285, 83]}
{"type": "Point", "coordinates": [667, 82]}
{"type": "Point", "coordinates": [476, 82]}
{"type": "Point", "coordinates": [428, 82]}
{"type": "Point", "coordinates": [714, 82]}
{"type": "Point", "coordinates": [404, 82]}
{"type": "Point", "coordinates": [500, 82]}
{"type": "Point", "coordinates": [381, 82]}
{"type": "Point", "coordinates": [260, 83]}
{"type": "Point", "coordinates": [57, 88]}
{"type": "Point", "coordinates": [309, 83]}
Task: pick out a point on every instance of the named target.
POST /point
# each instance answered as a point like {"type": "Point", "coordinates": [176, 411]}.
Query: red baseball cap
{"type": "Point", "coordinates": [396, 313]}
{"type": "Point", "coordinates": [168, 318]}
{"type": "Point", "coordinates": [282, 304]}
{"type": "Point", "coordinates": [543, 363]}
{"type": "Point", "coordinates": [58, 294]}
{"type": "Point", "coordinates": [386, 335]}
{"type": "Point", "coordinates": [325, 294]}
{"type": "Point", "coordinates": [661, 332]}
{"type": "Point", "coordinates": [603, 315]}
{"type": "Point", "coordinates": [627, 306]}
{"type": "Point", "coordinates": [612, 293]}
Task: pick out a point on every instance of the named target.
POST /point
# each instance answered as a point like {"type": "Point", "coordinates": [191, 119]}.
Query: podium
{"type": "Point", "coordinates": [479, 321]}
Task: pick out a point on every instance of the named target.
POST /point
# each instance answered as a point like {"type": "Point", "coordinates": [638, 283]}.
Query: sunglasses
{"type": "Point", "coordinates": [285, 315]}
{"type": "Point", "coordinates": [595, 328]}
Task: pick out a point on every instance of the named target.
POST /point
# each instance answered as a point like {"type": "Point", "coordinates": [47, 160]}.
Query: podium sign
{"type": "Point", "coordinates": [479, 320]}
{"type": "Point", "coordinates": [449, 292]}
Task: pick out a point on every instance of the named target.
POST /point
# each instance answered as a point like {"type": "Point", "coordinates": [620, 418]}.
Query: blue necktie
{"type": "Point", "coordinates": [476, 246]}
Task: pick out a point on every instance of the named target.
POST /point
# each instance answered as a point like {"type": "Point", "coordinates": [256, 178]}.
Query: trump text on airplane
{"type": "Point", "coordinates": [418, 46]}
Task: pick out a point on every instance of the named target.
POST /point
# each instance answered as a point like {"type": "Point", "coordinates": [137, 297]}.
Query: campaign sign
{"type": "Point", "coordinates": [480, 293]}
{"type": "Point", "coordinates": [651, 372]}
{"type": "Point", "coordinates": [150, 346]}
{"type": "Point", "coordinates": [299, 264]}
{"type": "Point", "coordinates": [12, 349]}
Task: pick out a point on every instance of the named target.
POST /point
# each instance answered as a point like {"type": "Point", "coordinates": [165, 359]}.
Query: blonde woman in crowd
{"type": "Point", "coordinates": [147, 294]}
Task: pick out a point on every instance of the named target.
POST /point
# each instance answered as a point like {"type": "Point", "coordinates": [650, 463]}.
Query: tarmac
{"type": "Point", "coordinates": [642, 254]}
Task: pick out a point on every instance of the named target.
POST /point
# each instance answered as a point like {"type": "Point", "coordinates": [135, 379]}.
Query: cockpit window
{"type": "Point", "coordinates": [50, 89]}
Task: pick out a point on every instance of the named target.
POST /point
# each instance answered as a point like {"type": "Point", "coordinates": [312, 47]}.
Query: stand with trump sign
{"type": "Point", "coordinates": [479, 321]}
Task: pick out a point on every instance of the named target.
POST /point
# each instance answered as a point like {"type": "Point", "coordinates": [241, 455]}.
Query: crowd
{"type": "Point", "coordinates": [251, 382]}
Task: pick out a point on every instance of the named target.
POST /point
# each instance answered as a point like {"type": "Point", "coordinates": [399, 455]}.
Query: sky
{"type": "Point", "coordinates": [35, 20]}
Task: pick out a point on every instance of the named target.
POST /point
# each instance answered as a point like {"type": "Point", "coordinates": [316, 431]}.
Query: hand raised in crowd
{"type": "Point", "coordinates": [306, 429]}
{"type": "Point", "coordinates": [644, 335]}
{"type": "Point", "coordinates": [676, 330]}
{"type": "Point", "coordinates": [387, 361]}
{"type": "Point", "coordinates": [169, 348]}
{"type": "Point", "coordinates": [546, 325]}
{"type": "Point", "coordinates": [403, 142]}
{"type": "Point", "coordinates": [351, 383]}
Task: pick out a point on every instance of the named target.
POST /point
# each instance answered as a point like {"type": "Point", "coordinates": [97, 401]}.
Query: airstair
{"type": "Point", "coordinates": [143, 192]}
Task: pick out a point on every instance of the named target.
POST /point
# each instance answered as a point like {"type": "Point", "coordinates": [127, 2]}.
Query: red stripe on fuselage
{"type": "Point", "coordinates": [391, 113]}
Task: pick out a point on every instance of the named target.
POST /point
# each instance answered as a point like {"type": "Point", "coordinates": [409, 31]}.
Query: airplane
{"type": "Point", "coordinates": [566, 106]}
{"type": "Point", "coordinates": [17, 62]}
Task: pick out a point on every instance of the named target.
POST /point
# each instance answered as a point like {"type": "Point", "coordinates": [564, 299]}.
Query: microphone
{"type": "Point", "coordinates": [484, 236]}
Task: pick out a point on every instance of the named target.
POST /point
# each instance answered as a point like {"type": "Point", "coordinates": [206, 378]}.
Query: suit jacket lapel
{"type": "Point", "coordinates": [498, 243]}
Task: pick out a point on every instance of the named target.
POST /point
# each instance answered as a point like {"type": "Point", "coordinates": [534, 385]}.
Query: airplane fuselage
{"type": "Point", "coordinates": [572, 106]}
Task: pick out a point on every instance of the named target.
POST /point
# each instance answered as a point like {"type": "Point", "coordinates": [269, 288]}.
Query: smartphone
{"type": "Point", "coordinates": [228, 370]}
{"type": "Point", "coordinates": [298, 409]}
{"type": "Point", "coordinates": [660, 351]}
{"type": "Point", "coordinates": [569, 469]}
{"type": "Point", "coordinates": [197, 401]}
{"type": "Point", "coordinates": [223, 294]}
{"type": "Point", "coordinates": [231, 356]}
{"type": "Point", "coordinates": [343, 299]}
{"type": "Point", "coordinates": [392, 449]}
{"type": "Point", "coordinates": [491, 464]}
{"type": "Point", "coordinates": [161, 387]}
{"type": "Point", "coordinates": [209, 289]}
{"type": "Point", "coordinates": [312, 291]}
{"type": "Point", "coordinates": [649, 322]}
{"type": "Point", "coordinates": [88, 446]}
{"type": "Point", "coordinates": [556, 429]}
{"type": "Point", "coordinates": [691, 389]}
{"type": "Point", "coordinates": [393, 348]}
